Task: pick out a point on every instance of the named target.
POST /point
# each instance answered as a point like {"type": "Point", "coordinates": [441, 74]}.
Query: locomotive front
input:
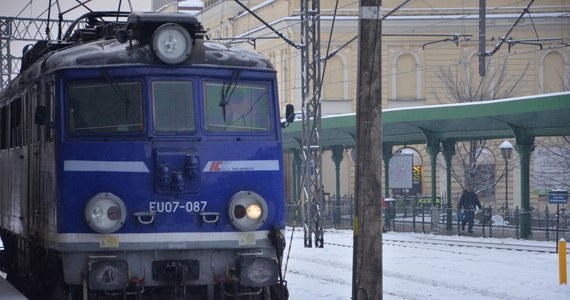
{"type": "Point", "coordinates": [169, 163]}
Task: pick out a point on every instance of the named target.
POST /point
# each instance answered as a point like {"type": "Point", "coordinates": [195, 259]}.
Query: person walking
{"type": "Point", "coordinates": [386, 209]}
{"type": "Point", "coordinates": [468, 202]}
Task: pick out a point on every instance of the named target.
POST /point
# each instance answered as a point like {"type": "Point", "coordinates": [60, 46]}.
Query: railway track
{"type": "Point", "coordinates": [469, 244]}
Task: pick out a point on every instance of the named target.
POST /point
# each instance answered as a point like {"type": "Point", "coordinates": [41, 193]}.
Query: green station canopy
{"type": "Point", "coordinates": [540, 115]}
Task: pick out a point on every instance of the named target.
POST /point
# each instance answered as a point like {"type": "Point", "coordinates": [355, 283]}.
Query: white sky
{"type": "Point", "coordinates": [11, 8]}
{"type": "Point", "coordinates": [38, 9]}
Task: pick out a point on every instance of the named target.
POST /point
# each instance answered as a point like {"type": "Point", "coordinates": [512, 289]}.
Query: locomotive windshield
{"type": "Point", "coordinates": [173, 106]}
{"type": "Point", "coordinates": [236, 107]}
{"type": "Point", "coordinates": [105, 107]}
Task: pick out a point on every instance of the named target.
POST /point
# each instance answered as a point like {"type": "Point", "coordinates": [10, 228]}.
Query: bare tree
{"type": "Point", "coordinates": [564, 80]}
{"type": "Point", "coordinates": [465, 86]}
{"type": "Point", "coordinates": [552, 158]}
{"type": "Point", "coordinates": [552, 161]}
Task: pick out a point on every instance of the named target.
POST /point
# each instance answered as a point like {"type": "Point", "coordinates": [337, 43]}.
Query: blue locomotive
{"type": "Point", "coordinates": [139, 158]}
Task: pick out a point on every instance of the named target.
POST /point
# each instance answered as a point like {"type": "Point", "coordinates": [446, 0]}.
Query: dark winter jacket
{"type": "Point", "coordinates": [469, 200]}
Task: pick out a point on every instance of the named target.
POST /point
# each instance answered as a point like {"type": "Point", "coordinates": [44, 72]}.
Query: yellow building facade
{"type": "Point", "coordinates": [430, 54]}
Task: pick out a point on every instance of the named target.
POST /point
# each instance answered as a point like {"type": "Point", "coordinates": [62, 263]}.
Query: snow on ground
{"type": "Point", "coordinates": [423, 267]}
{"type": "Point", "coordinates": [417, 270]}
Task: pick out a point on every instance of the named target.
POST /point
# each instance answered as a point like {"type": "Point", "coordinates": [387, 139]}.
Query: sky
{"type": "Point", "coordinates": [426, 266]}
{"type": "Point", "coordinates": [38, 8]}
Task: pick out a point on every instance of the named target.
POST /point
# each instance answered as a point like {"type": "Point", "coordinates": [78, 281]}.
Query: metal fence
{"type": "Point", "coordinates": [546, 225]}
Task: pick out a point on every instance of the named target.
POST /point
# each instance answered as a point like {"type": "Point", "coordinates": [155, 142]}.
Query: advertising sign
{"type": "Point", "coordinates": [401, 171]}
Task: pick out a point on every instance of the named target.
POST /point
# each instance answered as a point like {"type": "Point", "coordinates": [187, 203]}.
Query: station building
{"type": "Point", "coordinates": [430, 56]}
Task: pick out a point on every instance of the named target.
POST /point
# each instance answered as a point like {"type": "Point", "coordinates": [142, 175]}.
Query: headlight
{"type": "Point", "coordinates": [247, 211]}
{"type": "Point", "coordinates": [171, 43]}
{"type": "Point", "coordinates": [105, 213]}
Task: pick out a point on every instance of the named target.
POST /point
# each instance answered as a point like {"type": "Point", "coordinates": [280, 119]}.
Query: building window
{"type": "Point", "coordinates": [284, 76]}
{"type": "Point", "coordinates": [406, 78]}
{"type": "Point", "coordinates": [550, 166]}
{"type": "Point", "coordinates": [483, 174]}
{"type": "Point", "coordinates": [209, 3]}
{"type": "Point", "coordinates": [334, 80]}
{"type": "Point", "coordinates": [554, 73]}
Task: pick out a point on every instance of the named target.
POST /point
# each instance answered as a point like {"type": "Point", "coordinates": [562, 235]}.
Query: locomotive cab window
{"type": "Point", "coordinates": [105, 107]}
{"type": "Point", "coordinates": [236, 107]}
{"type": "Point", "coordinates": [173, 106]}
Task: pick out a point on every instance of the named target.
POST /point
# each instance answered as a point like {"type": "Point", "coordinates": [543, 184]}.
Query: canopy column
{"type": "Point", "coordinates": [433, 148]}
{"type": "Point", "coordinates": [337, 157]}
{"type": "Point", "coordinates": [433, 151]}
{"type": "Point", "coordinates": [297, 162]}
{"type": "Point", "coordinates": [524, 152]}
{"type": "Point", "coordinates": [386, 156]}
{"type": "Point", "coordinates": [524, 147]}
{"type": "Point", "coordinates": [448, 152]}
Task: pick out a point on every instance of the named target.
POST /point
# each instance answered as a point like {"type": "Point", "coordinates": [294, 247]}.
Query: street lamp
{"type": "Point", "coordinates": [506, 151]}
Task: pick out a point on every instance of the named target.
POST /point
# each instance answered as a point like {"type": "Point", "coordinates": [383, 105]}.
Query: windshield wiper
{"type": "Point", "coordinates": [227, 91]}
{"type": "Point", "coordinates": [122, 95]}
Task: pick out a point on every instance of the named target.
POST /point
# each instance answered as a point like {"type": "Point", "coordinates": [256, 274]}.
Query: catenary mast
{"type": "Point", "coordinates": [312, 189]}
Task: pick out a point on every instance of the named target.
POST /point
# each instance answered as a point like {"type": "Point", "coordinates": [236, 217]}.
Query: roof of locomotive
{"type": "Point", "coordinates": [77, 52]}
{"type": "Point", "coordinates": [111, 52]}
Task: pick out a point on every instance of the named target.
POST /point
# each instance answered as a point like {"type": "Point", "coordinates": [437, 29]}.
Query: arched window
{"type": "Point", "coordinates": [554, 72]}
{"type": "Point", "coordinates": [471, 71]}
{"type": "Point", "coordinates": [484, 176]}
{"type": "Point", "coordinates": [334, 80]}
{"type": "Point", "coordinates": [284, 76]}
{"type": "Point", "coordinates": [475, 85]}
{"type": "Point", "coordinates": [551, 164]}
{"type": "Point", "coordinates": [406, 77]}
{"type": "Point", "coordinates": [417, 171]}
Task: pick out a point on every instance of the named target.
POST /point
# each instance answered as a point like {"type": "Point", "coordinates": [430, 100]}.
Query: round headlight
{"type": "Point", "coordinates": [247, 211]}
{"type": "Point", "coordinates": [105, 213]}
{"type": "Point", "coordinates": [254, 211]}
{"type": "Point", "coordinates": [171, 43]}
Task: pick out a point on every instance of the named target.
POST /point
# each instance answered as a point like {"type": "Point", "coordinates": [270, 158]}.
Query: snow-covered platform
{"type": "Point", "coordinates": [8, 292]}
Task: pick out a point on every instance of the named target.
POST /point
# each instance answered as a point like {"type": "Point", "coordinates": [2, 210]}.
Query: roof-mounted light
{"type": "Point", "coordinates": [171, 43]}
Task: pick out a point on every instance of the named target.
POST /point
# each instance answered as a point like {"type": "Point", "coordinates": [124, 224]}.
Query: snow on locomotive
{"type": "Point", "coordinates": [138, 157]}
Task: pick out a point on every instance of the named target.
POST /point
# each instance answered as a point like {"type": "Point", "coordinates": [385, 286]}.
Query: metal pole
{"type": "Point", "coordinates": [547, 224]}
{"type": "Point", "coordinates": [312, 196]}
{"type": "Point", "coordinates": [506, 184]}
{"type": "Point", "coordinates": [482, 36]}
{"type": "Point", "coordinates": [367, 251]}
{"type": "Point", "coordinates": [557, 224]}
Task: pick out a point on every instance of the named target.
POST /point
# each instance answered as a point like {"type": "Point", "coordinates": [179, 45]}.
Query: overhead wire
{"type": "Point", "coordinates": [431, 24]}
{"type": "Point", "coordinates": [439, 23]}
{"type": "Point", "coordinates": [23, 9]}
